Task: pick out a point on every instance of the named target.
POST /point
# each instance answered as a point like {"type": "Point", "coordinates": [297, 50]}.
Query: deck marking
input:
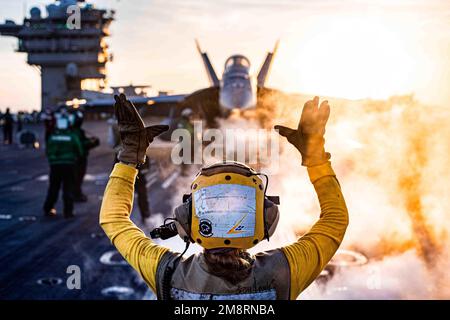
{"type": "Point", "coordinates": [170, 179]}
{"type": "Point", "coordinates": [107, 258]}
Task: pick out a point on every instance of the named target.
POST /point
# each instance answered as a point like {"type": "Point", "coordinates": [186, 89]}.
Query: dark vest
{"type": "Point", "coordinates": [269, 279]}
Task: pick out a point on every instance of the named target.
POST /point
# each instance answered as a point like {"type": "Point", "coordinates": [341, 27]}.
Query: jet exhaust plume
{"type": "Point", "coordinates": [391, 158]}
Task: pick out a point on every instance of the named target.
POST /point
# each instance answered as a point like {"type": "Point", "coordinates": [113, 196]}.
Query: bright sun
{"type": "Point", "coordinates": [351, 58]}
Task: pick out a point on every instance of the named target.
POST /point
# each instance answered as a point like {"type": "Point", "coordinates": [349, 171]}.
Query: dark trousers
{"type": "Point", "coordinates": [81, 172]}
{"type": "Point", "coordinates": [61, 174]}
{"type": "Point", "coordinates": [8, 134]}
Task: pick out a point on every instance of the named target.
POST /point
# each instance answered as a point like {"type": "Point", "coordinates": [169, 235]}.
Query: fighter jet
{"type": "Point", "coordinates": [237, 91]}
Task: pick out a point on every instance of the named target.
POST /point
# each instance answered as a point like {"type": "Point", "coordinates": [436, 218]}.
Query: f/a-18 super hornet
{"type": "Point", "coordinates": [237, 91]}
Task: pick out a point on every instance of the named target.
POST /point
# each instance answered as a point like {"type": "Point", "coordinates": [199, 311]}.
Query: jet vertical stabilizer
{"type": "Point", "coordinates": [265, 68]}
{"type": "Point", "coordinates": [208, 66]}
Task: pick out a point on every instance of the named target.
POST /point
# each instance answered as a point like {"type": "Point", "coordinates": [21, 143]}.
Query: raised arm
{"type": "Point", "coordinates": [309, 255]}
{"type": "Point", "coordinates": [140, 252]}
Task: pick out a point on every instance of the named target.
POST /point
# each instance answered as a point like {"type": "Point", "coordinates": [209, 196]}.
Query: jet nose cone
{"type": "Point", "coordinates": [234, 99]}
{"type": "Point", "coordinates": [241, 101]}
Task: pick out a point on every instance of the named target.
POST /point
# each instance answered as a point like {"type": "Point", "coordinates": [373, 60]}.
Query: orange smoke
{"type": "Point", "coordinates": [391, 157]}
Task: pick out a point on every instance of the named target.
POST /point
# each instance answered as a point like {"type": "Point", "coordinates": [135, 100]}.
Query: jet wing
{"type": "Point", "coordinates": [205, 104]}
{"type": "Point", "coordinates": [137, 100]}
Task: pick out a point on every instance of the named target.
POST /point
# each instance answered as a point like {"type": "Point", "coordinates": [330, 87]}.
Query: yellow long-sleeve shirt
{"type": "Point", "coordinates": [306, 257]}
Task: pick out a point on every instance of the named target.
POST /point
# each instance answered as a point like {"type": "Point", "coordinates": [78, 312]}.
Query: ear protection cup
{"type": "Point", "coordinates": [183, 219]}
{"type": "Point", "coordinates": [271, 217]}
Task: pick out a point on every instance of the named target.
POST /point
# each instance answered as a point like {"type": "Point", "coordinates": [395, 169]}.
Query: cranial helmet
{"type": "Point", "coordinates": [187, 112]}
{"type": "Point", "coordinates": [62, 121]}
{"type": "Point", "coordinates": [227, 208]}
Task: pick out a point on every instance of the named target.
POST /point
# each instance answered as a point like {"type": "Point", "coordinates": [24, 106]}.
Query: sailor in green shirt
{"type": "Point", "coordinates": [63, 151]}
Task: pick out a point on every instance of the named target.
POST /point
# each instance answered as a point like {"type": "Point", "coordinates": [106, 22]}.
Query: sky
{"type": "Point", "coordinates": [348, 48]}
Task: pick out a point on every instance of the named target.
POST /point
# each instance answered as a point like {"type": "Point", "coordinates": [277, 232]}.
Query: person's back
{"type": "Point", "coordinates": [20, 117]}
{"type": "Point", "coordinates": [87, 144]}
{"type": "Point", "coordinates": [63, 150]}
{"type": "Point", "coordinates": [8, 119]}
{"type": "Point", "coordinates": [226, 213]}
{"type": "Point", "coordinates": [266, 278]}
{"type": "Point", "coordinates": [8, 123]}
{"type": "Point", "coordinates": [63, 147]}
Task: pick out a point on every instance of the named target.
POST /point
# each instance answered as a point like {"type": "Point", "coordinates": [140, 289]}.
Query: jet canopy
{"type": "Point", "coordinates": [237, 61]}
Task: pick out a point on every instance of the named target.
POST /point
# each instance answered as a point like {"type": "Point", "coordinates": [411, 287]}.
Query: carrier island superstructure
{"type": "Point", "coordinates": [67, 45]}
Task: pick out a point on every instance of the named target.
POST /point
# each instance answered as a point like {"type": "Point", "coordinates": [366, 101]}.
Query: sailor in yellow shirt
{"type": "Point", "coordinates": [225, 270]}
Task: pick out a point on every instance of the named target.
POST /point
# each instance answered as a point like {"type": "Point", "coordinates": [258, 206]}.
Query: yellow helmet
{"type": "Point", "coordinates": [227, 208]}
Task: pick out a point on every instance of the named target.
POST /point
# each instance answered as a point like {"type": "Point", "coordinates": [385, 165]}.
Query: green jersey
{"type": "Point", "coordinates": [64, 147]}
